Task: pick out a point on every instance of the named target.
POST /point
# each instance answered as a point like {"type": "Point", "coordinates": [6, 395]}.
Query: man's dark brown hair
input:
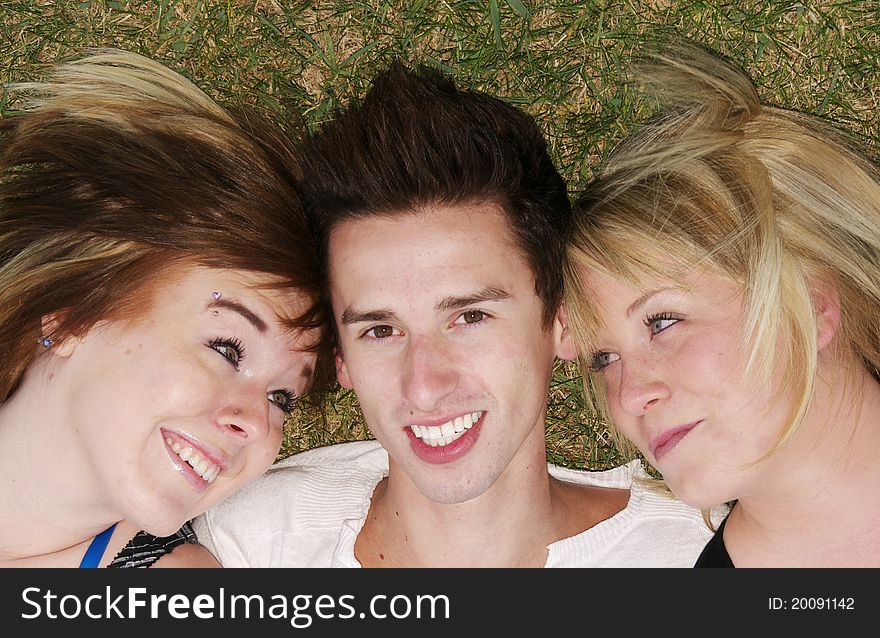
{"type": "Point", "coordinates": [416, 141]}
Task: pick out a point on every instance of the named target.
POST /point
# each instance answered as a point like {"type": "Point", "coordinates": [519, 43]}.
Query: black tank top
{"type": "Point", "coordinates": [715, 553]}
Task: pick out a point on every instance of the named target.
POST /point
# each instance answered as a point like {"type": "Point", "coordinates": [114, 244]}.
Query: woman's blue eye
{"type": "Point", "coordinates": [601, 360]}
{"type": "Point", "coordinates": [231, 349]}
{"type": "Point", "coordinates": [659, 323]}
{"type": "Point", "coordinates": [284, 399]}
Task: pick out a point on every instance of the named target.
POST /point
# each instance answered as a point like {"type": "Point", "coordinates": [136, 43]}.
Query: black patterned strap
{"type": "Point", "coordinates": [145, 549]}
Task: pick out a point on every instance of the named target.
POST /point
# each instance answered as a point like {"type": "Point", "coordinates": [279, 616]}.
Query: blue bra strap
{"type": "Point", "coordinates": [97, 547]}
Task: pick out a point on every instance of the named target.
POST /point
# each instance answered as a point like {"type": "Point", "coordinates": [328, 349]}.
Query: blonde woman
{"type": "Point", "coordinates": [158, 313]}
{"type": "Point", "coordinates": [723, 286]}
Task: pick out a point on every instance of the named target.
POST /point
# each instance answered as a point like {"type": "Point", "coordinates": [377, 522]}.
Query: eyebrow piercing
{"type": "Point", "coordinates": [216, 295]}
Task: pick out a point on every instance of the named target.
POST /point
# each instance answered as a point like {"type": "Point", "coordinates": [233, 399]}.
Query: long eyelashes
{"type": "Point", "coordinates": [656, 323]}
{"type": "Point", "coordinates": [661, 321]}
{"type": "Point", "coordinates": [601, 360]}
{"type": "Point", "coordinates": [285, 399]}
{"type": "Point", "coordinates": [231, 349]}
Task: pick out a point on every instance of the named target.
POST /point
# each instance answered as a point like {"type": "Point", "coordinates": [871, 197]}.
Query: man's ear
{"type": "Point", "coordinates": [62, 345]}
{"type": "Point", "coordinates": [565, 346]}
{"type": "Point", "coordinates": [342, 370]}
{"type": "Point", "coordinates": [826, 301]}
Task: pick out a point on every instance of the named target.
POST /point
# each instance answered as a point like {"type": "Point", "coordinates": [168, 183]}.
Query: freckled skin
{"type": "Point", "coordinates": [125, 380]}
{"type": "Point", "coordinates": [692, 370]}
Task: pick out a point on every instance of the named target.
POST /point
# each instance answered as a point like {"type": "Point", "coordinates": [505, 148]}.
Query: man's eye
{"type": "Point", "coordinates": [601, 360]}
{"type": "Point", "coordinates": [380, 332]}
{"type": "Point", "coordinates": [230, 349]}
{"type": "Point", "coordinates": [284, 399]}
{"type": "Point", "coordinates": [471, 316]}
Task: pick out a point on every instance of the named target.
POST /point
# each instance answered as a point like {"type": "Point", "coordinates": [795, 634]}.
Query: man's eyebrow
{"type": "Point", "coordinates": [244, 311]}
{"type": "Point", "coordinates": [350, 316]}
{"type": "Point", "coordinates": [486, 294]}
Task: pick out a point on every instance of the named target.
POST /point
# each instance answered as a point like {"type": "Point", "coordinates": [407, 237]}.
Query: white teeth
{"type": "Point", "coordinates": [202, 467]}
{"type": "Point", "coordinates": [440, 435]}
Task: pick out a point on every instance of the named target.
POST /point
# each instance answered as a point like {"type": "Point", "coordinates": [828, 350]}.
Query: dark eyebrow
{"type": "Point", "coordinates": [245, 312]}
{"type": "Point", "coordinates": [486, 294]}
{"type": "Point", "coordinates": [350, 316]}
{"type": "Point", "coordinates": [446, 304]}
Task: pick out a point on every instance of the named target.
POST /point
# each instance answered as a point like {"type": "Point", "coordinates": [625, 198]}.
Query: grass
{"type": "Point", "coordinates": [559, 60]}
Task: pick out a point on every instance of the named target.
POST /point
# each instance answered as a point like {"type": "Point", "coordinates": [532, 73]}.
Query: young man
{"type": "Point", "coordinates": [442, 221]}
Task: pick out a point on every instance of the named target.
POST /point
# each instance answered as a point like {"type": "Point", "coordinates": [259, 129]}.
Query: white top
{"type": "Point", "coordinates": [308, 509]}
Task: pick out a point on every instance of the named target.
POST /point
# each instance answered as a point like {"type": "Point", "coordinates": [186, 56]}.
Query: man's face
{"type": "Point", "coordinates": [441, 337]}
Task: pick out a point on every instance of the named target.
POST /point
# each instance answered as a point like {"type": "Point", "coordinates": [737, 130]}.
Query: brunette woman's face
{"type": "Point", "coordinates": [178, 408]}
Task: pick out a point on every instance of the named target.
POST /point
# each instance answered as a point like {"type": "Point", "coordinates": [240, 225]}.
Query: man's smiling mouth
{"type": "Point", "coordinates": [440, 435]}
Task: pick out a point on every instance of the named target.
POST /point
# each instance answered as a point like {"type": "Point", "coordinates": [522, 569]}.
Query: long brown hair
{"type": "Point", "coordinates": [118, 167]}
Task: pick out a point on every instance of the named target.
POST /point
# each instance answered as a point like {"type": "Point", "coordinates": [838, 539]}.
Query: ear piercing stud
{"type": "Point", "coordinates": [46, 342]}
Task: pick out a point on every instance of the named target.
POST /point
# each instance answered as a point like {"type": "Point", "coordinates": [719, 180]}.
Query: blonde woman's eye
{"type": "Point", "coordinates": [659, 323]}
{"type": "Point", "coordinates": [602, 360]}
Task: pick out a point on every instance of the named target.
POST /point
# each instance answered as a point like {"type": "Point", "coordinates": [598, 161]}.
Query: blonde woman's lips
{"type": "Point", "coordinates": [664, 443]}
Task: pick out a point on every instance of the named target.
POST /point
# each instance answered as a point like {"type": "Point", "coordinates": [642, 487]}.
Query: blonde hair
{"type": "Point", "coordinates": [116, 169]}
{"type": "Point", "coordinates": [769, 198]}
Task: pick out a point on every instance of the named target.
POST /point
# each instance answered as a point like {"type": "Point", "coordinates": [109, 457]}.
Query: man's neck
{"type": "Point", "coordinates": [510, 525]}
{"type": "Point", "coordinates": [489, 531]}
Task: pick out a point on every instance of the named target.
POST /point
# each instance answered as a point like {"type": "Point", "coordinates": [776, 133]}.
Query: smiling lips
{"type": "Point", "coordinates": [442, 435]}
{"type": "Point", "coordinates": [201, 466]}
{"type": "Point", "coordinates": [663, 444]}
{"type": "Point", "coordinates": [203, 469]}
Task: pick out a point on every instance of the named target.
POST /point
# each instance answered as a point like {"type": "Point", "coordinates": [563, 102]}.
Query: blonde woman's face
{"type": "Point", "coordinates": [175, 410]}
{"type": "Point", "coordinates": [673, 358]}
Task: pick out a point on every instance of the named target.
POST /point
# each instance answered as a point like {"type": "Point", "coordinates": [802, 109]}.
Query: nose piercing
{"type": "Point", "coordinates": [236, 411]}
